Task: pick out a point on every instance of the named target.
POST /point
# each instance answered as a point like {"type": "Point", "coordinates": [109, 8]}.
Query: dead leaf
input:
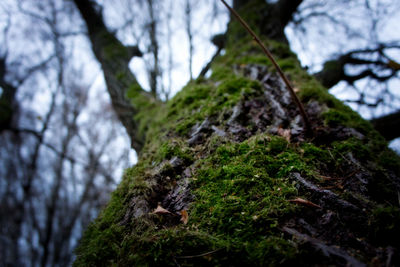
{"type": "Point", "coordinates": [304, 202]}
{"type": "Point", "coordinates": [285, 133]}
{"type": "Point", "coordinates": [184, 216]}
{"type": "Point", "coordinates": [160, 210]}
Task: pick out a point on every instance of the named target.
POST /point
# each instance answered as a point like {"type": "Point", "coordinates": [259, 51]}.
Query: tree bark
{"type": "Point", "coordinates": [114, 58]}
{"type": "Point", "coordinates": [229, 177]}
{"type": "Point", "coordinates": [388, 126]}
{"type": "Point", "coordinates": [7, 99]}
{"type": "Point", "coordinates": [286, 9]}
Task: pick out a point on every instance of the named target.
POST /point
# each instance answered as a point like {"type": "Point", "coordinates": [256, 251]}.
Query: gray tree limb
{"type": "Point", "coordinates": [334, 70]}
{"type": "Point", "coordinates": [114, 58]}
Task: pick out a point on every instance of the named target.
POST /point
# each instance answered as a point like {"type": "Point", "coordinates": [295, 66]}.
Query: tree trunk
{"type": "Point", "coordinates": [7, 99]}
{"type": "Point", "coordinates": [228, 177]}
{"type": "Point", "coordinates": [114, 59]}
{"type": "Point", "coordinates": [388, 126]}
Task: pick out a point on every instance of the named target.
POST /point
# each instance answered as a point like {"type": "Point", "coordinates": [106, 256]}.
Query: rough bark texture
{"type": "Point", "coordinates": [227, 176]}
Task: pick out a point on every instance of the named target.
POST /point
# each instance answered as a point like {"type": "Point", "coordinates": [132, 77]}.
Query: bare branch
{"type": "Point", "coordinates": [381, 69]}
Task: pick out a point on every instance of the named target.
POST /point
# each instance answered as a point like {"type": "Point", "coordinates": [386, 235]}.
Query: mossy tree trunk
{"type": "Point", "coordinates": [228, 177]}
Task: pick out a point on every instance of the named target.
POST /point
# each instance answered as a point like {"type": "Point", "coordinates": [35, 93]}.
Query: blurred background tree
{"type": "Point", "coordinates": [65, 141]}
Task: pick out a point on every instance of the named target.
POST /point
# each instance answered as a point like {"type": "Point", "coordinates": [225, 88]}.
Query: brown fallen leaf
{"type": "Point", "coordinates": [184, 216]}
{"type": "Point", "coordinates": [160, 210]}
{"type": "Point", "coordinates": [304, 202]}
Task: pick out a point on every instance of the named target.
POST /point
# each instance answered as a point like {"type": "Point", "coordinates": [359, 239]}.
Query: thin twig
{"type": "Point", "coordinates": [199, 255]}
{"type": "Point", "coordinates": [279, 70]}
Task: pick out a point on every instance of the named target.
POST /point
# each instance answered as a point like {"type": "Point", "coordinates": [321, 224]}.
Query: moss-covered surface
{"type": "Point", "coordinates": [243, 196]}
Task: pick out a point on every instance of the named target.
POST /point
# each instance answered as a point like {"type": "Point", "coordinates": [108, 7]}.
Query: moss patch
{"type": "Point", "coordinates": [241, 189]}
{"type": "Point", "coordinates": [385, 224]}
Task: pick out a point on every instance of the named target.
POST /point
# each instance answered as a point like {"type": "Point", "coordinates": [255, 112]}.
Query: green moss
{"type": "Point", "coordinates": [354, 146]}
{"type": "Point", "coordinates": [112, 47]}
{"type": "Point", "coordinates": [287, 64]}
{"type": "Point", "coordinates": [146, 110]}
{"type": "Point", "coordinates": [241, 189]}
{"type": "Point", "coordinates": [312, 152]}
{"type": "Point", "coordinates": [255, 59]}
{"type": "Point", "coordinates": [270, 251]}
{"type": "Point", "coordinates": [241, 192]}
{"type": "Point", "coordinates": [221, 72]}
{"type": "Point", "coordinates": [175, 148]}
{"type": "Point", "coordinates": [235, 85]}
{"type": "Point", "coordinates": [237, 200]}
{"type": "Point", "coordinates": [282, 51]}
{"type": "Point", "coordinates": [154, 248]}
{"type": "Point", "coordinates": [333, 66]}
{"type": "Point", "coordinates": [385, 225]}
{"type": "Point", "coordinates": [138, 184]}
{"type": "Point", "coordinates": [312, 90]}
{"type": "Point", "coordinates": [383, 190]}
{"type": "Point", "coordinates": [198, 101]}
{"type": "Point", "coordinates": [336, 117]}
{"type": "Point", "coordinates": [389, 160]}
{"type": "Point", "coordinates": [252, 14]}
{"type": "Point", "coordinates": [101, 241]}
{"type": "Point", "coordinates": [120, 75]}
{"type": "Point", "coordinates": [98, 245]}
{"type": "Point", "coordinates": [346, 117]}
{"type": "Point", "coordinates": [277, 145]}
{"type": "Point", "coordinates": [320, 157]}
